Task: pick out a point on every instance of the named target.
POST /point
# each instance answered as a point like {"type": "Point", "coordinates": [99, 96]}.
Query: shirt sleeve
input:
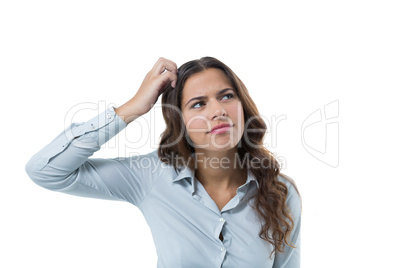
{"type": "Point", "coordinates": [64, 165]}
{"type": "Point", "coordinates": [290, 258]}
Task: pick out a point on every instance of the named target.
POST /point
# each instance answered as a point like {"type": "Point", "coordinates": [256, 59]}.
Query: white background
{"type": "Point", "coordinates": [295, 57]}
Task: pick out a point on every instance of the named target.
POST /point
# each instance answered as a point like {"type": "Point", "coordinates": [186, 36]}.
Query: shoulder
{"type": "Point", "coordinates": [293, 197]}
{"type": "Point", "coordinates": [289, 182]}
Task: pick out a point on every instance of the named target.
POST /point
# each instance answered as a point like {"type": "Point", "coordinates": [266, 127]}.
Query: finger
{"type": "Point", "coordinates": [169, 76]}
{"type": "Point", "coordinates": [169, 61]}
{"type": "Point", "coordinates": [164, 64]}
{"type": "Point", "coordinates": [172, 63]}
{"type": "Point", "coordinates": [156, 65]}
{"type": "Point", "coordinates": [172, 78]}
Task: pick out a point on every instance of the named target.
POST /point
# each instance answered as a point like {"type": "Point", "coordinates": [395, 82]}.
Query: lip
{"type": "Point", "coordinates": [221, 126]}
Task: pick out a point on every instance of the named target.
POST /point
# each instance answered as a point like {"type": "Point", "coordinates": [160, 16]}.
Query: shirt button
{"type": "Point", "coordinates": [92, 125]}
{"type": "Point", "coordinates": [222, 249]}
{"type": "Point", "coordinates": [109, 116]}
{"type": "Point", "coordinates": [221, 219]}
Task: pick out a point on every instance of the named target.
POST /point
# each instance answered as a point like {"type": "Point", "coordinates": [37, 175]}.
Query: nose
{"type": "Point", "coordinates": [217, 110]}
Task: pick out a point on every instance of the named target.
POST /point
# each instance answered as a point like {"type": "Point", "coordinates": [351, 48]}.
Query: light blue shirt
{"type": "Point", "coordinates": [184, 221]}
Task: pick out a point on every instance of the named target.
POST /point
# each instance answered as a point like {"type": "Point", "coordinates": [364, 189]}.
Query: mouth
{"type": "Point", "coordinates": [222, 128]}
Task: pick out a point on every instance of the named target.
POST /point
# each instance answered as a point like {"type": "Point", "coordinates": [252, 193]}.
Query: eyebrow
{"type": "Point", "coordinates": [204, 97]}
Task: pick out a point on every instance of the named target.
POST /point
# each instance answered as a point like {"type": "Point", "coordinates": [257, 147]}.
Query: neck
{"type": "Point", "coordinates": [220, 170]}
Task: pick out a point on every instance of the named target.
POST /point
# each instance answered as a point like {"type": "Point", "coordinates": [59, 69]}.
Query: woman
{"type": "Point", "coordinates": [213, 196]}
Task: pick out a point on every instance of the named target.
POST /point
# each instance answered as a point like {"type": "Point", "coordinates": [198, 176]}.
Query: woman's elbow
{"type": "Point", "coordinates": [46, 178]}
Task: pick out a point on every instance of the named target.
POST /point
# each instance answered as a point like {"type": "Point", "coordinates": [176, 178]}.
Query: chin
{"type": "Point", "coordinates": [218, 148]}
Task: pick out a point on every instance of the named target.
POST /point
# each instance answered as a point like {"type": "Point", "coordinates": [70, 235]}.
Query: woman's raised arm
{"type": "Point", "coordinates": [64, 165]}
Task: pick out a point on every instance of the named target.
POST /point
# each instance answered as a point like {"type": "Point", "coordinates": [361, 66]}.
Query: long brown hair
{"type": "Point", "coordinates": [270, 198]}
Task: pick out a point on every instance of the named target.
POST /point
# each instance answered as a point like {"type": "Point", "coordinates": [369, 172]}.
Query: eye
{"type": "Point", "coordinates": [193, 106]}
{"type": "Point", "coordinates": [201, 102]}
{"type": "Point", "coordinates": [230, 94]}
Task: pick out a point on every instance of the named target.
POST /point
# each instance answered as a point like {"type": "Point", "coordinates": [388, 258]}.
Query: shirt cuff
{"type": "Point", "coordinates": [98, 130]}
{"type": "Point", "coordinates": [88, 135]}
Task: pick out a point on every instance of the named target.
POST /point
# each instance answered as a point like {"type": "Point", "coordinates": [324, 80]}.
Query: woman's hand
{"type": "Point", "coordinates": [153, 85]}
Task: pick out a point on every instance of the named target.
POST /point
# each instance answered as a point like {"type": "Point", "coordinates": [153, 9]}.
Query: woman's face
{"type": "Point", "coordinates": [216, 103]}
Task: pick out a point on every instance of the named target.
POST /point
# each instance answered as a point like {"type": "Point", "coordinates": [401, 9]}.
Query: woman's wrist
{"type": "Point", "coordinates": [127, 112]}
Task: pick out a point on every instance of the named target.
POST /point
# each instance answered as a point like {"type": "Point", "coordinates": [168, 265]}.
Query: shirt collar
{"type": "Point", "coordinates": [186, 172]}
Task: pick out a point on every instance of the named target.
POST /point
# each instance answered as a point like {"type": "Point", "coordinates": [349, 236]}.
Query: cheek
{"type": "Point", "coordinates": [236, 113]}
{"type": "Point", "coordinates": [194, 122]}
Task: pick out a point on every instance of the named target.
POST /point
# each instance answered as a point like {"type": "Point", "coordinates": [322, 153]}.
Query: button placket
{"type": "Point", "coordinates": [220, 229]}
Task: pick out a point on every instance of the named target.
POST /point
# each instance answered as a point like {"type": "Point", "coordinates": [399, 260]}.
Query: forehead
{"type": "Point", "coordinates": [210, 80]}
